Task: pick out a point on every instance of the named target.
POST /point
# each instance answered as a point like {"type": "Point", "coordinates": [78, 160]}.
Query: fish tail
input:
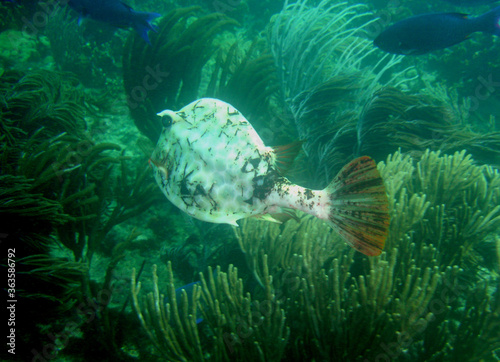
{"type": "Point", "coordinates": [359, 207]}
{"type": "Point", "coordinates": [490, 22]}
{"type": "Point", "coordinates": [143, 24]}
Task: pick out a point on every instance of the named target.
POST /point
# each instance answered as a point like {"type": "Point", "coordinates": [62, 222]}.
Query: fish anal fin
{"type": "Point", "coordinates": [359, 207]}
{"type": "Point", "coordinates": [285, 155]}
{"type": "Point", "coordinates": [280, 217]}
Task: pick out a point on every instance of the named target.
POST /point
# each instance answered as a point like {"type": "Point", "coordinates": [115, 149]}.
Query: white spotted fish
{"type": "Point", "coordinates": [211, 163]}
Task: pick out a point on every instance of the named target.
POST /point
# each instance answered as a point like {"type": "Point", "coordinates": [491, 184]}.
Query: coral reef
{"type": "Point", "coordinates": [16, 47]}
{"type": "Point", "coordinates": [446, 201]}
{"type": "Point", "coordinates": [344, 99]}
{"type": "Point", "coordinates": [88, 49]}
{"type": "Point", "coordinates": [409, 304]}
{"type": "Point", "coordinates": [322, 56]}
{"type": "Point", "coordinates": [56, 179]}
{"type": "Point", "coordinates": [239, 326]}
{"type": "Point", "coordinates": [45, 99]}
{"type": "Point", "coordinates": [262, 291]}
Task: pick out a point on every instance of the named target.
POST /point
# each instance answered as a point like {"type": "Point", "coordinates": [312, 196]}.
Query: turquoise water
{"type": "Point", "coordinates": [96, 255]}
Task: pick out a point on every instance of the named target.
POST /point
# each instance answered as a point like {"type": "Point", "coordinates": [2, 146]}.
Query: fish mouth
{"type": "Point", "coordinates": [158, 166]}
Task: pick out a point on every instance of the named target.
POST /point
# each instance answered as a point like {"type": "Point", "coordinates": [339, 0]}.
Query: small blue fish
{"type": "Point", "coordinates": [422, 34]}
{"type": "Point", "coordinates": [115, 13]}
{"type": "Point", "coordinates": [189, 291]}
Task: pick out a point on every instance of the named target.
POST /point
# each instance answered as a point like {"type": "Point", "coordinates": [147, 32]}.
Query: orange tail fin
{"type": "Point", "coordinates": [359, 208]}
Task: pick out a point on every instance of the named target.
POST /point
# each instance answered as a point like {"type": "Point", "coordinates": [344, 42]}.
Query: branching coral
{"type": "Point", "coordinates": [240, 327]}
{"type": "Point", "coordinates": [49, 281]}
{"type": "Point", "coordinates": [415, 302]}
{"type": "Point", "coordinates": [65, 187]}
{"type": "Point", "coordinates": [79, 174]}
{"type": "Point", "coordinates": [339, 106]}
{"type": "Point", "coordinates": [48, 99]}
{"type": "Point", "coordinates": [321, 56]}
{"type": "Point", "coordinates": [315, 242]}
{"type": "Point", "coordinates": [312, 44]}
{"type": "Point", "coordinates": [392, 119]}
{"type": "Point", "coordinates": [88, 50]}
{"type": "Point", "coordinates": [446, 200]}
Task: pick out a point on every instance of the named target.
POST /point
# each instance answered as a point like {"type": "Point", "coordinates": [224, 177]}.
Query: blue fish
{"type": "Point", "coordinates": [470, 2]}
{"type": "Point", "coordinates": [422, 34]}
{"type": "Point", "coordinates": [115, 13]}
{"type": "Point", "coordinates": [189, 291]}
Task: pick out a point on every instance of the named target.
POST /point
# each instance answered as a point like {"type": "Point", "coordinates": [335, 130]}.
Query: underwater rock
{"type": "Point", "coordinates": [17, 46]}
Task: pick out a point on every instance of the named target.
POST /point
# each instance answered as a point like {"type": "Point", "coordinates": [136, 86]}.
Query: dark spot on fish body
{"type": "Point", "coordinates": [200, 190]}
{"type": "Point", "coordinates": [309, 194]}
{"type": "Point", "coordinates": [177, 143]}
{"type": "Point", "coordinates": [202, 135]}
{"type": "Point", "coordinates": [210, 115]}
{"type": "Point", "coordinates": [244, 168]}
{"type": "Point", "coordinates": [184, 189]}
{"type": "Point", "coordinates": [204, 162]}
{"type": "Point", "coordinates": [184, 185]}
{"type": "Point", "coordinates": [282, 184]}
{"type": "Point", "coordinates": [255, 162]}
{"type": "Point", "coordinates": [263, 185]}
{"type": "Point", "coordinates": [215, 205]}
{"type": "Point", "coordinates": [223, 133]}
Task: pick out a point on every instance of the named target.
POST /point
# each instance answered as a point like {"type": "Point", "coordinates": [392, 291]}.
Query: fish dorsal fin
{"type": "Point", "coordinates": [127, 6]}
{"type": "Point", "coordinates": [285, 155]}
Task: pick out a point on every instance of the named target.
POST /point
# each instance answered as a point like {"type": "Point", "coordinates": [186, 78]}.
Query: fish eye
{"type": "Point", "coordinates": [166, 121]}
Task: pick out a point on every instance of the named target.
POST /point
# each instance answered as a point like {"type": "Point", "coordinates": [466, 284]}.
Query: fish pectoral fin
{"type": "Point", "coordinates": [285, 155]}
{"type": "Point", "coordinates": [161, 168]}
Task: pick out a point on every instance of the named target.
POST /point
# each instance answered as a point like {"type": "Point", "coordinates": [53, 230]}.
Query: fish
{"type": "Point", "coordinates": [188, 288]}
{"type": "Point", "coordinates": [211, 163]}
{"type": "Point", "coordinates": [425, 33]}
{"type": "Point", "coordinates": [115, 13]}
{"type": "Point", "coordinates": [471, 2]}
